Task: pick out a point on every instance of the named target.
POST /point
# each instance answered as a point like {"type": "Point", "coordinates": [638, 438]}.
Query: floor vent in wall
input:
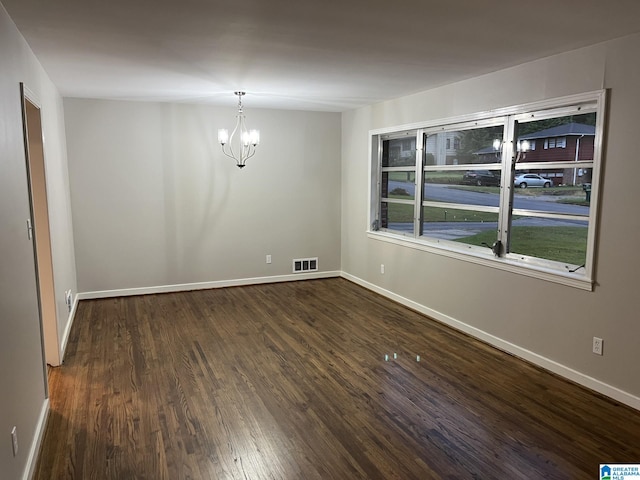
{"type": "Point", "coordinates": [305, 265]}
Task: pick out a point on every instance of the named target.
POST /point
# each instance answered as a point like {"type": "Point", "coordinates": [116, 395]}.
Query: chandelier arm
{"type": "Point", "coordinates": [229, 144]}
{"type": "Point", "coordinates": [230, 155]}
{"type": "Point", "coordinates": [242, 133]}
{"type": "Point", "coordinates": [235, 130]}
{"type": "Point", "coordinates": [251, 152]}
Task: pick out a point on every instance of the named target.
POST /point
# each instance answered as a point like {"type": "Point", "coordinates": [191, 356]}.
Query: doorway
{"type": "Point", "coordinates": [34, 152]}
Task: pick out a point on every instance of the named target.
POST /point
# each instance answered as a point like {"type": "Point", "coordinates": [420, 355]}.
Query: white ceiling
{"type": "Point", "coordinates": [299, 54]}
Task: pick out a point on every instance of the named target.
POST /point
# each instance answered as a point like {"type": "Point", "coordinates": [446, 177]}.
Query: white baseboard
{"type": "Point", "coordinates": [32, 459]}
{"type": "Point", "coordinates": [67, 330]}
{"type": "Point", "coordinates": [547, 364]}
{"type": "Point", "coordinates": [125, 292]}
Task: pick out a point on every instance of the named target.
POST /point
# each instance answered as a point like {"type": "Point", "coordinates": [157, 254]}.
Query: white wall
{"type": "Point", "coordinates": [502, 304]}
{"type": "Point", "coordinates": [156, 203]}
{"type": "Point", "coordinates": [22, 396]}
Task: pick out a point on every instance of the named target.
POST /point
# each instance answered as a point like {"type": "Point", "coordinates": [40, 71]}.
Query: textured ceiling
{"type": "Point", "coordinates": [328, 56]}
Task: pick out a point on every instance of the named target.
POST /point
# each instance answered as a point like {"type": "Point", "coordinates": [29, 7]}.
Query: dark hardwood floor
{"type": "Point", "coordinates": [289, 381]}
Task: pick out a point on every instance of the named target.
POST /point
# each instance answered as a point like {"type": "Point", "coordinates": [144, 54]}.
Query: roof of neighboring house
{"type": "Point", "coordinates": [562, 131]}
{"type": "Point", "coordinates": [485, 151]}
{"type": "Point", "coordinates": [559, 131]}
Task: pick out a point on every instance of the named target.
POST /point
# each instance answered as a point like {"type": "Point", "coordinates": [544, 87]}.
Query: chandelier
{"type": "Point", "coordinates": [246, 140]}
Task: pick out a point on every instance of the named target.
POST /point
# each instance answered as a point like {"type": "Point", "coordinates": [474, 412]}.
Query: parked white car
{"type": "Point", "coordinates": [531, 180]}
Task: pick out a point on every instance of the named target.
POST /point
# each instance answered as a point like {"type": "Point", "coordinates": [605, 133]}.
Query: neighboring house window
{"type": "Point", "coordinates": [456, 143]}
{"type": "Point", "coordinates": [560, 142]}
{"type": "Point", "coordinates": [491, 206]}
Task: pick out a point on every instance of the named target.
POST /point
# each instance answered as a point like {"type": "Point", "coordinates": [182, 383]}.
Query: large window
{"type": "Point", "coordinates": [477, 188]}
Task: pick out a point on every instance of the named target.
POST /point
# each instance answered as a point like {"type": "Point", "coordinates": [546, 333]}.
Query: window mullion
{"type": "Point", "coordinates": [377, 223]}
{"type": "Point", "coordinates": [506, 189]}
{"type": "Point", "coordinates": [419, 185]}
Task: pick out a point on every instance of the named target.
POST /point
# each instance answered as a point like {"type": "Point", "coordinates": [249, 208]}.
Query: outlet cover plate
{"type": "Point", "coordinates": [597, 345]}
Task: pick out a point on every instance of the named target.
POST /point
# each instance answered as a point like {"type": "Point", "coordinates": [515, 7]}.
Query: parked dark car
{"type": "Point", "coordinates": [481, 177]}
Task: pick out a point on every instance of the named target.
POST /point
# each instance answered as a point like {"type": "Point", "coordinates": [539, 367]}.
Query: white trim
{"type": "Point", "coordinates": [125, 292]}
{"type": "Point", "coordinates": [527, 355]}
{"type": "Point", "coordinates": [553, 165]}
{"type": "Point", "coordinates": [520, 264]}
{"type": "Point", "coordinates": [31, 96]}
{"type": "Point", "coordinates": [32, 458]}
{"type": "Point", "coordinates": [462, 166]}
{"type": "Point", "coordinates": [67, 330]}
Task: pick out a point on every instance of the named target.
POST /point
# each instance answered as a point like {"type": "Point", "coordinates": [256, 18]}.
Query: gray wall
{"type": "Point", "coordinates": [155, 202]}
{"type": "Point", "coordinates": [500, 304]}
{"type": "Point", "coordinates": [22, 397]}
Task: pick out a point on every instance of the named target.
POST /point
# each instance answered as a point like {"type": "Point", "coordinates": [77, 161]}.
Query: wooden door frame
{"type": "Point", "coordinates": [39, 210]}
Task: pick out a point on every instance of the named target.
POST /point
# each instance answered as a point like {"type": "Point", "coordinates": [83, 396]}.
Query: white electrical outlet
{"type": "Point", "coordinates": [268, 258]}
{"type": "Point", "coordinates": [382, 268]}
{"type": "Point", "coordinates": [597, 345]}
{"type": "Point", "coordinates": [68, 298]}
{"type": "Point", "coordinates": [14, 440]}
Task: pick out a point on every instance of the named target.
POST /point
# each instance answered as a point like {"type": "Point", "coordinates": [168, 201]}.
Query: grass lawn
{"type": "Point", "coordinates": [454, 215]}
{"type": "Point", "coordinates": [453, 177]}
{"type": "Point", "coordinates": [575, 201]}
{"type": "Point", "coordinates": [454, 180]}
{"type": "Point", "coordinates": [552, 191]}
{"type": "Point", "coordinates": [528, 192]}
{"type": "Point", "coordinates": [402, 176]}
{"type": "Point", "coordinates": [404, 214]}
{"type": "Point", "coordinates": [561, 244]}
{"type": "Point", "coordinates": [398, 212]}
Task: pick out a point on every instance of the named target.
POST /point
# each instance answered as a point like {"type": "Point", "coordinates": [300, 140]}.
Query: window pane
{"type": "Point", "coordinates": [471, 187]}
{"type": "Point", "coordinates": [466, 226]}
{"type": "Point", "coordinates": [396, 216]}
{"type": "Point", "coordinates": [561, 241]}
{"type": "Point", "coordinates": [399, 152]}
{"type": "Point", "coordinates": [565, 139]}
{"type": "Point", "coordinates": [568, 190]}
{"type": "Point", "coordinates": [400, 185]}
{"type": "Point", "coordinates": [464, 146]}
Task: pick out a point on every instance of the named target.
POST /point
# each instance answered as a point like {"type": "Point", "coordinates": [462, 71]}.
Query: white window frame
{"type": "Point", "coordinates": [582, 277]}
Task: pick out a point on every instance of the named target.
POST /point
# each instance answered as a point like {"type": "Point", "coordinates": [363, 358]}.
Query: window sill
{"type": "Point", "coordinates": [487, 260]}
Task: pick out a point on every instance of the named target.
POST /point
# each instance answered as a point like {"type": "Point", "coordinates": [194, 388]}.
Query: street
{"type": "Point", "coordinates": [454, 230]}
{"type": "Point", "coordinates": [445, 193]}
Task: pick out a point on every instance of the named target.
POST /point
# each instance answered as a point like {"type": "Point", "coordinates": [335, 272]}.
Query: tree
{"type": "Point", "coordinates": [472, 141]}
{"type": "Point", "coordinates": [539, 125]}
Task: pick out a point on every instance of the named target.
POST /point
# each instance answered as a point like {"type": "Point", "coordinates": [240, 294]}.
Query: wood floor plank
{"type": "Point", "coordinates": [289, 381]}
